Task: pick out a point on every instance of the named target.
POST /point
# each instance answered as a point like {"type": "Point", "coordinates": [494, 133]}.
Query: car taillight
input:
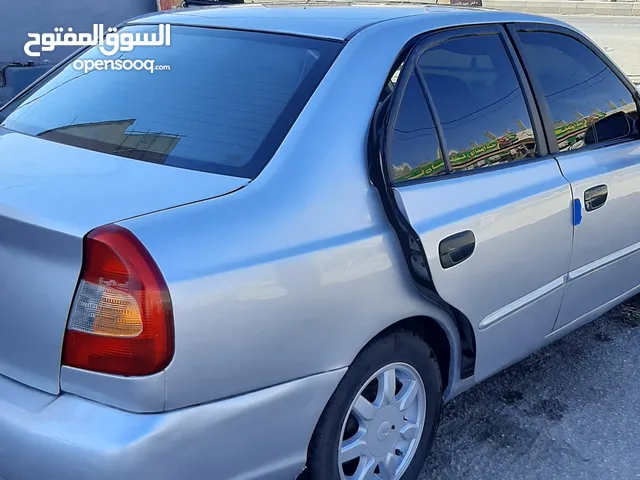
{"type": "Point", "coordinates": [121, 321]}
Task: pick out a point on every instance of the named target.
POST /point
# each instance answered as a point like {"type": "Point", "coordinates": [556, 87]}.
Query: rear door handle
{"type": "Point", "coordinates": [595, 197]}
{"type": "Point", "coordinates": [457, 248]}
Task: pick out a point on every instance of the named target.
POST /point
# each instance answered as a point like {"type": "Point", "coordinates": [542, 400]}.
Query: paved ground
{"type": "Point", "coordinates": [571, 410]}
{"type": "Point", "coordinates": [619, 36]}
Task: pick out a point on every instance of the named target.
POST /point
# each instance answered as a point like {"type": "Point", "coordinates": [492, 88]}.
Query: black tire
{"type": "Point", "coordinates": [400, 346]}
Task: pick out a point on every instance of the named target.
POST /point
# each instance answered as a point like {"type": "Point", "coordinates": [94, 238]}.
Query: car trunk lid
{"type": "Point", "coordinates": [51, 196]}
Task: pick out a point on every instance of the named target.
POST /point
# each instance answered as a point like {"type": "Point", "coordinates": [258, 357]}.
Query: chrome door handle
{"type": "Point", "coordinates": [595, 197]}
{"type": "Point", "coordinates": [457, 248]}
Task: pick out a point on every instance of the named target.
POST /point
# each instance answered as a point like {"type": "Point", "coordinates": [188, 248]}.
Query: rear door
{"type": "Point", "coordinates": [592, 115]}
{"type": "Point", "coordinates": [471, 171]}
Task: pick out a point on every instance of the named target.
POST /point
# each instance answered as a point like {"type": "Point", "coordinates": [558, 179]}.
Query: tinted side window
{"type": "Point", "coordinates": [414, 149]}
{"type": "Point", "coordinates": [588, 103]}
{"type": "Point", "coordinates": [481, 106]}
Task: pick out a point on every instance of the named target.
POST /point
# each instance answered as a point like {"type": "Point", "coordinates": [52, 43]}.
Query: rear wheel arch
{"type": "Point", "coordinates": [441, 335]}
{"type": "Point", "coordinates": [448, 338]}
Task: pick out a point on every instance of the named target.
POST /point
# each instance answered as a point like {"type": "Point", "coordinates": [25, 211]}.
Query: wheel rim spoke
{"type": "Point", "coordinates": [366, 469]}
{"type": "Point", "coordinates": [363, 409]}
{"type": "Point", "coordinates": [387, 386]}
{"type": "Point", "coordinates": [389, 467]}
{"type": "Point", "coordinates": [409, 431]}
{"type": "Point", "coordinates": [353, 448]}
{"type": "Point", "coordinates": [408, 394]}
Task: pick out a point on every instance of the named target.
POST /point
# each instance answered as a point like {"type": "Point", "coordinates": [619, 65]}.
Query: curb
{"type": "Point", "coordinates": [566, 7]}
{"type": "Point", "coordinates": [619, 8]}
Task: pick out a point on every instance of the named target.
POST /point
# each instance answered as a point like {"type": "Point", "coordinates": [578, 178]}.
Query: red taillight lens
{"type": "Point", "coordinates": [121, 320]}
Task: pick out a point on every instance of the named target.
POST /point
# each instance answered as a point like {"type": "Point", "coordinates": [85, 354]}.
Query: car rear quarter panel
{"type": "Point", "coordinates": [295, 273]}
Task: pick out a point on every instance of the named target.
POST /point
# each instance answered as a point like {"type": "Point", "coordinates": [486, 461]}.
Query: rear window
{"type": "Point", "coordinates": [224, 106]}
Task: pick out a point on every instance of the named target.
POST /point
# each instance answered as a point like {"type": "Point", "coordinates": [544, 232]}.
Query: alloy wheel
{"type": "Point", "coordinates": [382, 430]}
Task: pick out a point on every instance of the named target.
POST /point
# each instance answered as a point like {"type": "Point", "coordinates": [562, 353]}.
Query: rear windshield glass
{"type": "Point", "coordinates": [223, 104]}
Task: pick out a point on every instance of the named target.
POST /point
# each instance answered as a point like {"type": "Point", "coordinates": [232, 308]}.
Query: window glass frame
{"type": "Point", "coordinates": [433, 39]}
{"type": "Point", "coordinates": [514, 30]}
{"type": "Point", "coordinates": [389, 134]}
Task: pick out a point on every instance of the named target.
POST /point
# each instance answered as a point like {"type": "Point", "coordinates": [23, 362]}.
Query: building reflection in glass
{"type": "Point", "coordinates": [116, 138]}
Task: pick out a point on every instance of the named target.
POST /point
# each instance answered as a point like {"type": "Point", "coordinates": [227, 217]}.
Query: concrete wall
{"type": "Point", "coordinates": [19, 17]}
{"type": "Point", "coordinates": [566, 7]}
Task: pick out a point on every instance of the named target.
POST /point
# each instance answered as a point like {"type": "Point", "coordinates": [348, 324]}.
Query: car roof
{"type": "Point", "coordinates": [337, 22]}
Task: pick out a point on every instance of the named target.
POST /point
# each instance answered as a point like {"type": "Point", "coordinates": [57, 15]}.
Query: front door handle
{"type": "Point", "coordinates": [595, 197]}
{"type": "Point", "coordinates": [457, 248]}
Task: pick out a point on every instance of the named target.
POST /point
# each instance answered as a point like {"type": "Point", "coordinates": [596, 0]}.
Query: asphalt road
{"type": "Point", "coordinates": [571, 411]}
{"type": "Point", "coordinates": [618, 36]}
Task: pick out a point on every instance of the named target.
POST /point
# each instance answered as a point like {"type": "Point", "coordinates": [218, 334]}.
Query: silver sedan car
{"type": "Point", "coordinates": [285, 249]}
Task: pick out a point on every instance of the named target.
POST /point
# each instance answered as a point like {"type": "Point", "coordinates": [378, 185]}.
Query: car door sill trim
{"type": "Point", "coordinates": [601, 262]}
{"type": "Point", "coordinates": [522, 302]}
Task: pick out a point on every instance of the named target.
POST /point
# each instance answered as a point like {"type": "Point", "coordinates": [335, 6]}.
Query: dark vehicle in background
{"type": "Point", "coordinates": [16, 76]}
